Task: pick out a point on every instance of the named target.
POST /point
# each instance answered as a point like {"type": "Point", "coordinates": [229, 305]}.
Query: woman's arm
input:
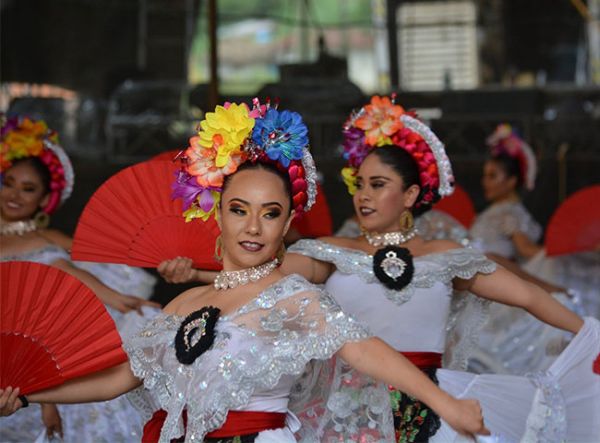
{"type": "Point", "coordinates": [505, 287]}
{"type": "Point", "coordinates": [375, 358]}
{"type": "Point", "coordinates": [525, 247]}
{"type": "Point", "coordinates": [100, 386]}
{"type": "Point", "coordinates": [122, 303]}
{"type": "Point", "coordinates": [519, 272]}
{"type": "Point", "coordinates": [180, 270]}
{"type": "Point", "coordinates": [313, 270]}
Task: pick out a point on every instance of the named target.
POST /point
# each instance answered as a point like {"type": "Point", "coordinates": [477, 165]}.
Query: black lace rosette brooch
{"type": "Point", "coordinates": [394, 267]}
{"type": "Point", "coordinates": [196, 334]}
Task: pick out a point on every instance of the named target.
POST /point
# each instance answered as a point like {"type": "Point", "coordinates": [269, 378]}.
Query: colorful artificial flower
{"type": "Point", "coordinates": [224, 131]}
{"type": "Point", "coordinates": [349, 176]}
{"type": "Point", "coordinates": [233, 134]}
{"type": "Point", "coordinates": [380, 120]}
{"type": "Point", "coordinates": [202, 164]}
{"type": "Point", "coordinates": [282, 135]}
{"type": "Point", "coordinates": [355, 148]}
{"type": "Point", "coordinates": [22, 138]}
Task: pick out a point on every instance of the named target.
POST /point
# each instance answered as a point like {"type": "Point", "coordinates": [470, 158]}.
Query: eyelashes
{"type": "Point", "coordinates": [269, 213]}
{"type": "Point", "coordinates": [275, 213]}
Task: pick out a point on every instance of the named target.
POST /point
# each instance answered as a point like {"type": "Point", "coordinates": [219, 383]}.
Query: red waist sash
{"type": "Point", "coordinates": [237, 423]}
{"type": "Point", "coordinates": [424, 360]}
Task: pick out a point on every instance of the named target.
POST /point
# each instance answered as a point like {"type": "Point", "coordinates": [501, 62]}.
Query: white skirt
{"type": "Point", "coordinates": [562, 403]}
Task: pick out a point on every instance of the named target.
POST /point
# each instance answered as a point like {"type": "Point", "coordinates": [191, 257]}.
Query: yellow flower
{"type": "Point", "coordinates": [349, 176]}
{"type": "Point", "coordinates": [225, 130]}
{"type": "Point", "coordinates": [196, 211]}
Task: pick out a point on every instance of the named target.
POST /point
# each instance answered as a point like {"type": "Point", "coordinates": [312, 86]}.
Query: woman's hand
{"type": "Point", "coordinates": [9, 401]}
{"type": "Point", "coordinates": [52, 421]}
{"type": "Point", "coordinates": [177, 270]}
{"type": "Point", "coordinates": [465, 417]}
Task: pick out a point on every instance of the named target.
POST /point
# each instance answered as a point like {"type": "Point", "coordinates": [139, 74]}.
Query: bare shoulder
{"type": "Point", "coordinates": [436, 246]}
{"type": "Point", "coordinates": [174, 306]}
{"type": "Point", "coordinates": [57, 237]}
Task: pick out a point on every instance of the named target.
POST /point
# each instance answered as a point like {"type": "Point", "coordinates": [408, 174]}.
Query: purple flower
{"type": "Point", "coordinates": [188, 190]}
{"type": "Point", "coordinates": [355, 148]}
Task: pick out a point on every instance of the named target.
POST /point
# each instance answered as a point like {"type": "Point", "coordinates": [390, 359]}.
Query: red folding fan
{"type": "Point", "coordinates": [166, 156]}
{"type": "Point", "coordinates": [575, 225]}
{"type": "Point", "coordinates": [459, 205]}
{"type": "Point", "coordinates": [52, 328]}
{"type": "Point", "coordinates": [132, 219]}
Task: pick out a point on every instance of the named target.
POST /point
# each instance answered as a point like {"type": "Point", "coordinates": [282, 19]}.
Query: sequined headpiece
{"type": "Point", "coordinates": [22, 137]}
{"type": "Point", "coordinates": [504, 140]}
{"type": "Point", "coordinates": [381, 123]}
{"type": "Point", "coordinates": [234, 134]}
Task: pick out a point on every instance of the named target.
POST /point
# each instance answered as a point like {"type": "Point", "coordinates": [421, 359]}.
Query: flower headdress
{"type": "Point", "coordinates": [22, 137]}
{"type": "Point", "coordinates": [234, 134]}
{"type": "Point", "coordinates": [504, 140]}
{"type": "Point", "coordinates": [382, 122]}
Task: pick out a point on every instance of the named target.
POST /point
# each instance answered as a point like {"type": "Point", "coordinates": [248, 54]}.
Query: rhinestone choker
{"type": "Point", "coordinates": [390, 238]}
{"type": "Point", "coordinates": [233, 279]}
{"type": "Point", "coordinates": [18, 227]}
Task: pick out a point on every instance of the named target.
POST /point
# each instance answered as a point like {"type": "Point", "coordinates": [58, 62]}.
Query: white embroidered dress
{"type": "Point", "coordinates": [264, 358]}
{"type": "Point", "coordinates": [562, 402]}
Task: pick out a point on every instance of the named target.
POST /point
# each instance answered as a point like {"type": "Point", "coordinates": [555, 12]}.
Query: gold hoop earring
{"type": "Point", "coordinates": [407, 221]}
{"type": "Point", "coordinates": [41, 220]}
{"type": "Point", "coordinates": [281, 253]}
{"type": "Point", "coordinates": [219, 249]}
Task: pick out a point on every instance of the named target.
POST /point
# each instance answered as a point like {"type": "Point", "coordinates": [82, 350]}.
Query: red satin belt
{"type": "Point", "coordinates": [424, 360]}
{"type": "Point", "coordinates": [237, 423]}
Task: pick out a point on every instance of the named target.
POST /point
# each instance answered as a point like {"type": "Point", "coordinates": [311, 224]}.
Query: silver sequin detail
{"type": "Point", "coordinates": [461, 262]}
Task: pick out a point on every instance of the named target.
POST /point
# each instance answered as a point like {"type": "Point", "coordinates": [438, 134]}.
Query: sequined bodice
{"type": "Point", "coordinates": [258, 352]}
{"type": "Point", "coordinates": [493, 228]}
{"type": "Point", "coordinates": [413, 319]}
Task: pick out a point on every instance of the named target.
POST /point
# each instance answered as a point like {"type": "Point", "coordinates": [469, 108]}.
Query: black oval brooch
{"type": "Point", "coordinates": [394, 267]}
{"type": "Point", "coordinates": [196, 334]}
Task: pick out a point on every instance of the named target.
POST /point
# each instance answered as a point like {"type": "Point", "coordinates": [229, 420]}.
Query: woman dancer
{"type": "Point", "coordinates": [36, 178]}
{"type": "Point", "coordinates": [401, 285]}
{"type": "Point", "coordinates": [507, 232]}
{"type": "Point", "coordinates": [220, 363]}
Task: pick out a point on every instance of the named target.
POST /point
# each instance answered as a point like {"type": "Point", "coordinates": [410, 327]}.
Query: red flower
{"type": "Point", "coordinates": [596, 365]}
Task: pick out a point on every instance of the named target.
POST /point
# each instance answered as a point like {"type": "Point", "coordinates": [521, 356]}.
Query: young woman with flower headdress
{"type": "Point", "coordinates": [36, 178]}
{"type": "Point", "coordinates": [401, 286]}
{"type": "Point", "coordinates": [230, 361]}
{"type": "Point", "coordinates": [508, 233]}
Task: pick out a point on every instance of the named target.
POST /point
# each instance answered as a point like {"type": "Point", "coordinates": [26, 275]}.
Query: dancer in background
{"type": "Point", "coordinates": [37, 177]}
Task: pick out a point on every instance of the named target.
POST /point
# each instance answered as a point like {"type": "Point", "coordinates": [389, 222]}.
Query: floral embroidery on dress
{"type": "Point", "coordinates": [414, 421]}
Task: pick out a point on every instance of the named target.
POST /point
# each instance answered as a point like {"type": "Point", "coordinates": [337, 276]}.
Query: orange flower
{"type": "Point", "coordinates": [381, 119]}
{"type": "Point", "coordinates": [202, 164]}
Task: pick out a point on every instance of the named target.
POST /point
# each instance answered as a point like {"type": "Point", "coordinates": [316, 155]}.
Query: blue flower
{"type": "Point", "coordinates": [282, 135]}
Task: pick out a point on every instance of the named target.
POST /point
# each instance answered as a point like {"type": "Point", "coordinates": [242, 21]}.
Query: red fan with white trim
{"type": "Point", "coordinates": [575, 225]}
{"type": "Point", "coordinates": [52, 328]}
{"type": "Point", "coordinates": [459, 205]}
{"type": "Point", "coordinates": [132, 219]}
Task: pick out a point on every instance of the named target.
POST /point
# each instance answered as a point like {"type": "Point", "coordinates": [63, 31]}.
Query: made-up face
{"type": "Point", "coordinates": [254, 217]}
{"type": "Point", "coordinates": [496, 183]}
{"type": "Point", "coordinates": [22, 193]}
{"type": "Point", "coordinates": [380, 198]}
